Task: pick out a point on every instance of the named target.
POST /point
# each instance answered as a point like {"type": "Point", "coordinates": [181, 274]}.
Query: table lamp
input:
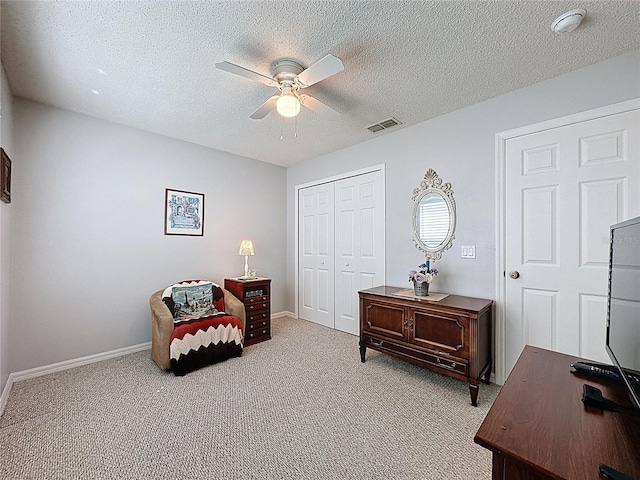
{"type": "Point", "coordinates": [246, 249]}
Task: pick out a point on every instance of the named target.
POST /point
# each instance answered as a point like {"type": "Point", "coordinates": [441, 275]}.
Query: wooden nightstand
{"type": "Point", "coordinates": [256, 296]}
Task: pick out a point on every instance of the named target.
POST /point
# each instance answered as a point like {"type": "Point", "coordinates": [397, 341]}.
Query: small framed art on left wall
{"type": "Point", "coordinates": [5, 179]}
{"type": "Point", "coordinates": [183, 213]}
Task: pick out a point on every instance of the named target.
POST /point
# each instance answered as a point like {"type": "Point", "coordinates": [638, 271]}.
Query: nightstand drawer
{"type": "Point", "coordinates": [256, 306]}
{"type": "Point", "coordinates": [260, 334]}
{"type": "Point", "coordinates": [254, 300]}
{"type": "Point", "coordinates": [258, 324]}
{"type": "Point", "coordinates": [260, 315]}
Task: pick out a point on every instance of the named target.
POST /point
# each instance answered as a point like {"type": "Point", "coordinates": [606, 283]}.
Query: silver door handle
{"type": "Point", "coordinates": [514, 274]}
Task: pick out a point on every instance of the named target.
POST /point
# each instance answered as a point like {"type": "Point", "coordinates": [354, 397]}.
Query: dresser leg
{"type": "Point", "coordinates": [363, 351]}
{"type": "Point", "coordinates": [473, 391]}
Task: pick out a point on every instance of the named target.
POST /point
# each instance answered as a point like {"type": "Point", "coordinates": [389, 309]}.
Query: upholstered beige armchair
{"type": "Point", "coordinates": [162, 325]}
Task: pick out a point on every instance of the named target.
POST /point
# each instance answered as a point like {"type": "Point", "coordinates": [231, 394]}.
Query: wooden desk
{"type": "Point", "coordinates": [538, 427]}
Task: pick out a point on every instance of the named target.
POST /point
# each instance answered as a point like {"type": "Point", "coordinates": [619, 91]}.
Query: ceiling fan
{"type": "Point", "coordinates": [290, 77]}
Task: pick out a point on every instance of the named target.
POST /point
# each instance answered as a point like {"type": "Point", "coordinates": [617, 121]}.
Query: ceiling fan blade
{"type": "Point", "coordinates": [323, 68]}
{"type": "Point", "coordinates": [316, 106]}
{"type": "Point", "coordinates": [264, 109]}
{"type": "Point", "coordinates": [243, 72]}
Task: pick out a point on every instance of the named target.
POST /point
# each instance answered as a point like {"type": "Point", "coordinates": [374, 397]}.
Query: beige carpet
{"type": "Point", "coordinates": [300, 406]}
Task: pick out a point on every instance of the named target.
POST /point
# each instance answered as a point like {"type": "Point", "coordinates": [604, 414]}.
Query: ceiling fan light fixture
{"type": "Point", "coordinates": [288, 104]}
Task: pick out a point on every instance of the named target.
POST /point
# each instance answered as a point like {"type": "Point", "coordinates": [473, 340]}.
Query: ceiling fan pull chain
{"type": "Point", "coordinates": [295, 127]}
{"type": "Point", "coordinates": [281, 128]}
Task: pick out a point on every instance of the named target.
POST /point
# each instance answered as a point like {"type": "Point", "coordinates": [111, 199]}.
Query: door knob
{"type": "Point", "coordinates": [347, 264]}
{"type": "Point", "coordinates": [514, 274]}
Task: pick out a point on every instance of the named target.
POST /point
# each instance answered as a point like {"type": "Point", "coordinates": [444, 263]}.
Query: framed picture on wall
{"type": "Point", "coordinates": [5, 181]}
{"type": "Point", "coordinates": [183, 213]}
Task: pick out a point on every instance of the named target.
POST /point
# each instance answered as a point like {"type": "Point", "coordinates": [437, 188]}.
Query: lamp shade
{"type": "Point", "coordinates": [246, 248]}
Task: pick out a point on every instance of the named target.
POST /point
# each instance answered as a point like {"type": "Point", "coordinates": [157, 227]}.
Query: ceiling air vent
{"type": "Point", "coordinates": [383, 125]}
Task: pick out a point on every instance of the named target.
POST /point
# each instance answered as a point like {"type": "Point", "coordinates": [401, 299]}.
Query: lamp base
{"type": "Point", "coordinates": [246, 277]}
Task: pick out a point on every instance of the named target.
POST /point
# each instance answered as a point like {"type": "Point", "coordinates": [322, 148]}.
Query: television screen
{"type": "Point", "coordinates": [623, 304]}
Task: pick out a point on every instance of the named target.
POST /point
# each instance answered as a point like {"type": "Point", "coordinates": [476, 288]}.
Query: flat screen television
{"type": "Point", "coordinates": [623, 304]}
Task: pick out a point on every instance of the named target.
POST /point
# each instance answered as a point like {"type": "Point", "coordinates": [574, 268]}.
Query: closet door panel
{"type": "Point", "coordinates": [360, 243]}
{"type": "Point", "coordinates": [316, 254]}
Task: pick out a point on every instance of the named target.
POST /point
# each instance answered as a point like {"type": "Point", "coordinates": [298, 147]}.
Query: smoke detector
{"type": "Point", "coordinates": [569, 21]}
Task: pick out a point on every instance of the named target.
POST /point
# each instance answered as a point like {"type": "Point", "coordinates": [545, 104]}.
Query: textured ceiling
{"type": "Point", "coordinates": [150, 64]}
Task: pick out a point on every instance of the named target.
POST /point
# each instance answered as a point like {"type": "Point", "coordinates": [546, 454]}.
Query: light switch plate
{"type": "Point", "coordinates": [468, 251]}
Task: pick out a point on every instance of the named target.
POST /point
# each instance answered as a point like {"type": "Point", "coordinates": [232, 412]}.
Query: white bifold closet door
{"type": "Point", "coordinates": [341, 248]}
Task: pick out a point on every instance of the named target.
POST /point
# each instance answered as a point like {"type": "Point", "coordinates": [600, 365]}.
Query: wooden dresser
{"type": "Point", "coordinates": [539, 429]}
{"type": "Point", "coordinates": [451, 336]}
{"type": "Point", "coordinates": [256, 296]}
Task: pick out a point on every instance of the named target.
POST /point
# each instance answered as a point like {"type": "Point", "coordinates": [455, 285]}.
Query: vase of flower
{"type": "Point", "coordinates": [421, 279]}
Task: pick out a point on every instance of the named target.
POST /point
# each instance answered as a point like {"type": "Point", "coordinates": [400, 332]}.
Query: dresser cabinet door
{"type": "Point", "coordinates": [385, 319]}
{"type": "Point", "coordinates": [442, 332]}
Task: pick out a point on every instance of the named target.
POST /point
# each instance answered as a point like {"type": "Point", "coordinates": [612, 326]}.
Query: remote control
{"type": "Point", "coordinates": [595, 369]}
{"type": "Point", "coordinates": [606, 371]}
{"type": "Point", "coordinates": [612, 474]}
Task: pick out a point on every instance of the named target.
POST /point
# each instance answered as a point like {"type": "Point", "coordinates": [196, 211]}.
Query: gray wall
{"type": "Point", "coordinates": [6, 141]}
{"type": "Point", "coordinates": [460, 146]}
{"type": "Point", "coordinates": [88, 242]}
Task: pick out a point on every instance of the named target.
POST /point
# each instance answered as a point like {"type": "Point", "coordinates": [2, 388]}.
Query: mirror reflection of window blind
{"type": "Point", "coordinates": [434, 221]}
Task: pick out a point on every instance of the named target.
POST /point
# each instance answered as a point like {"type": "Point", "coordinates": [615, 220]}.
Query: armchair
{"type": "Point", "coordinates": [163, 328]}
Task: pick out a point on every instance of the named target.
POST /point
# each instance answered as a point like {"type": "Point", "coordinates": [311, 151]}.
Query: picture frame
{"type": "Point", "coordinates": [5, 178]}
{"type": "Point", "coordinates": [183, 213]}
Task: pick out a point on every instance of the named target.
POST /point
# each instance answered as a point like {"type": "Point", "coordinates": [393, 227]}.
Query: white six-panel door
{"type": "Point", "coordinates": [340, 247]}
{"type": "Point", "coordinates": [564, 187]}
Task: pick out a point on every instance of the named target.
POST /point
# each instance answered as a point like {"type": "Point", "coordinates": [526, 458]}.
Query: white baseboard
{"type": "Point", "coordinates": [283, 314]}
{"type": "Point", "coordinates": [67, 364]}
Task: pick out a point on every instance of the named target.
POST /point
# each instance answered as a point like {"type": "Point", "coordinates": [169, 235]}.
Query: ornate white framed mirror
{"type": "Point", "coordinates": [433, 216]}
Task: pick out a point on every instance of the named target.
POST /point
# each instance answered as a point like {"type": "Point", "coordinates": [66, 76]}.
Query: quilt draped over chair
{"type": "Point", "coordinates": [195, 323]}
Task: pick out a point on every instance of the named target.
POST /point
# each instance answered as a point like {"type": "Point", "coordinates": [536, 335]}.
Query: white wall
{"type": "Point", "coordinates": [6, 141]}
{"type": "Point", "coordinates": [88, 242]}
{"type": "Point", "coordinates": [460, 146]}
